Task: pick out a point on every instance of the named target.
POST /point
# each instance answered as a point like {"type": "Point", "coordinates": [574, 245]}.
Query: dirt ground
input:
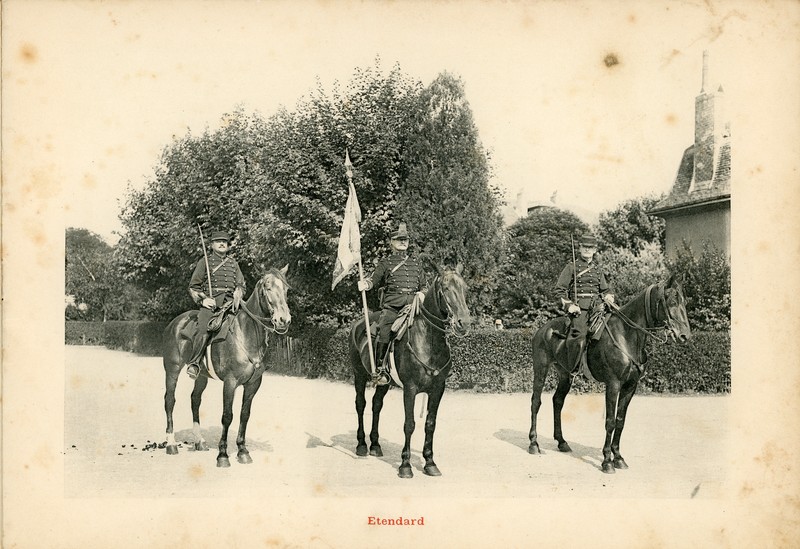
{"type": "Point", "coordinates": [301, 437]}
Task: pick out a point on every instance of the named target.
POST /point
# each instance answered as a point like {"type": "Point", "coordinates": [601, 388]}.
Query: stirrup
{"type": "Point", "coordinates": [381, 377]}
{"type": "Point", "coordinates": [193, 370]}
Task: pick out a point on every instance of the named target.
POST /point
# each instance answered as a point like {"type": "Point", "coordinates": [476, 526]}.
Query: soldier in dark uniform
{"type": "Point", "coordinates": [401, 277]}
{"type": "Point", "coordinates": [227, 284]}
{"type": "Point", "coordinates": [591, 294]}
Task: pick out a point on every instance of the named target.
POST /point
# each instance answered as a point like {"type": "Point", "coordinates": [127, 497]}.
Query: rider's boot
{"type": "Point", "coordinates": [575, 346]}
{"type": "Point", "coordinates": [198, 348]}
{"type": "Point", "coordinates": [381, 373]}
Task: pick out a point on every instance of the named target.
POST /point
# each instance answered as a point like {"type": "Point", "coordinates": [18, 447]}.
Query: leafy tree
{"type": "Point", "coordinates": [629, 226]}
{"type": "Point", "coordinates": [538, 248]}
{"type": "Point", "coordinates": [92, 278]}
{"type": "Point", "coordinates": [279, 185]}
{"type": "Point", "coordinates": [629, 273]}
{"type": "Point", "coordinates": [453, 211]}
{"type": "Point", "coordinates": [706, 286]}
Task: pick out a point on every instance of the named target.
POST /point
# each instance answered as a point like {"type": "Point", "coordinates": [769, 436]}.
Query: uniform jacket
{"type": "Point", "coordinates": [591, 283]}
{"type": "Point", "coordinates": [401, 276]}
{"type": "Point", "coordinates": [226, 276]}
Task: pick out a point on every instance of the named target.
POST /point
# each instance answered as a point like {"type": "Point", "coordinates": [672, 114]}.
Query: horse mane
{"type": "Point", "coordinates": [635, 302]}
{"type": "Point", "coordinates": [277, 274]}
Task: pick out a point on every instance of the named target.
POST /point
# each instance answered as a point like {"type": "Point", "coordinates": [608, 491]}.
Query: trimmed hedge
{"type": "Point", "coordinates": [141, 337]}
{"type": "Point", "coordinates": [484, 361]}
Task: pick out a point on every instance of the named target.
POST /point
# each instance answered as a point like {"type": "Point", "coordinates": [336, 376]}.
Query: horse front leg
{"type": "Point", "coordinates": [171, 382]}
{"type": "Point", "coordinates": [612, 394]}
{"type": "Point", "coordinates": [564, 384]}
{"type": "Point", "coordinates": [377, 406]}
{"type": "Point", "coordinates": [200, 384]}
{"type": "Point", "coordinates": [434, 399]}
{"type": "Point", "coordinates": [361, 404]}
{"type": "Point", "coordinates": [539, 375]}
{"type": "Point", "coordinates": [250, 390]}
{"type": "Point", "coordinates": [227, 416]}
{"type": "Point", "coordinates": [625, 396]}
{"type": "Point", "coordinates": [409, 396]}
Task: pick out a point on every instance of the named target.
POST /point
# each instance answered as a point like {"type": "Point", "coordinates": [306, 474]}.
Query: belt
{"type": "Point", "coordinates": [584, 295]}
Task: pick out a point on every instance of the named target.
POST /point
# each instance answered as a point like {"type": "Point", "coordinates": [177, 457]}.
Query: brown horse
{"type": "Point", "coordinates": [617, 359]}
{"type": "Point", "coordinates": [236, 360]}
{"type": "Point", "coordinates": [422, 358]}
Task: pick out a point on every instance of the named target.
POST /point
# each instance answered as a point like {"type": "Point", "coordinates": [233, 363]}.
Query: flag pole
{"type": "Point", "coordinates": [348, 165]}
{"type": "Point", "coordinates": [210, 290]}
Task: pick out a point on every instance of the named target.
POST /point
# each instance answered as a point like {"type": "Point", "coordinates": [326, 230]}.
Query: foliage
{"type": "Point", "coordinates": [93, 280]}
{"type": "Point", "coordinates": [706, 285]}
{"type": "Point", "coordinates": [455, 213]}
{"type": "Point", "coordinates": [628, 226]}
{"type": "Point", "coordinates": [629, 273]}
{"type": "Point", "coordinates": [279, 185]}
{"type": "Point", "coordinates": [538, 248]}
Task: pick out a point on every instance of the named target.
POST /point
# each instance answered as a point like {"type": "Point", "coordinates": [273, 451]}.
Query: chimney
{"type": "Point", "coordinates": [705, 84]}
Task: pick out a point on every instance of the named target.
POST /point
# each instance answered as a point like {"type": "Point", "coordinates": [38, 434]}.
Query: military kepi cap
{"type": "Point", "coordinates": [220, 235]}
{"type": "Point", "coordinates": [589, 241]}
{"type": "Point", "coordinates": [400, 233]}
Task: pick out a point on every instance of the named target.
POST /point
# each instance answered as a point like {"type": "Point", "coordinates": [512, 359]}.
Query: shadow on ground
{"type": "Point", "coordinates": [346, 444]}
{"type": "Point", "coordinates": [519, 439]}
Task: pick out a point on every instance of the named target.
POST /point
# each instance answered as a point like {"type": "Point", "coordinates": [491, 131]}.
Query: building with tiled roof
{"type": "Point", "coordinates": [698, 208]}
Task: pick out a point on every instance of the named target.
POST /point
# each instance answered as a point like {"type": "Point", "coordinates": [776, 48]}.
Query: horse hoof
{"type": "Point", "coordinates": [223, 462]}
{"type": "Point", "coordinates": [564, 447]}
{"type": "Point", "coordinates": [432, 470]}
{"type": "Point", "coordinates": [376, 451]}
{"type": "Point", "coordinates": [405, 472]}
{"type": "Point", "coordinates": [534, 448]}
{"type": "Point", "coordinates": [619, 463]}
{"type": "Point", "coordinates": [361, 450]}
{"type": "Point", "coordinates": [608, 468]}
{"type": "Point", "coordinates": [172, 449]}
{"type": "Point", "coordinates": [201, 446]}
{"type": "Point", "coordinates": [244, 458]}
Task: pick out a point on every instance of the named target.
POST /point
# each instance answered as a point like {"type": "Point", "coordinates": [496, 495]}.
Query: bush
{"type": "Point", "coordinates": [706, 285]}
{"type": "Point", "coordinates": [484, 361]}
{"type": "Point", "coordinates": [141, 337]}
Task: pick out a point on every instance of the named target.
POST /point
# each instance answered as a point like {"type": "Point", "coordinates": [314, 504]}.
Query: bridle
{"type": "Point", "coordinates": [261, 320]}
{"type": "Point", "coordinates": [652, 327]}
{"type": "Point", "coordinates": [443, 325]}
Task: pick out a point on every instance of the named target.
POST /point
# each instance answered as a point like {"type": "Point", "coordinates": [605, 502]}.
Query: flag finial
{"type": "Point", "coordinates": [347, 164]}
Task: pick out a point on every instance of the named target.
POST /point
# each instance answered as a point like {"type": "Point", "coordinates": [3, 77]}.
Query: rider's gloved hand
{"type": "Point", "coordinates": [420, 295]}
{"type": "Point", "coordinates": [208, 303]}
{"type": "Point", "coordinates": [609, 299]}
{"type": "Point", "coordinates": [573, 309]}
{"type": "Point", "coordinates": [363, 285]}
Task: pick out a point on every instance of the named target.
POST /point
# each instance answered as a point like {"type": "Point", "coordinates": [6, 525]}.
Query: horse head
{"type": "Point", "coordinates": [452, 293]}
{"type": "Point", "coordinates": [271, 290]}
{"type": "Point", "coordinates": [675, 321]}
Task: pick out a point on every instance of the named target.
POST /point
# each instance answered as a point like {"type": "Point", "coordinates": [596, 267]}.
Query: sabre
{"type": "Point", "coordinates": [210, 291]}
{"type": "Point", "coordinates": [574, 271]}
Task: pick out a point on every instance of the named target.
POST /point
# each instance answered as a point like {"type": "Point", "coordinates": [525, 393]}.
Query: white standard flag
{"type": "Point", "coordinates": [350, 240]}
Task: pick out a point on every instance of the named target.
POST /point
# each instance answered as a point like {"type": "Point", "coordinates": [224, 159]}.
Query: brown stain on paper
{"type": "Point", "coordinates": [28, 53]}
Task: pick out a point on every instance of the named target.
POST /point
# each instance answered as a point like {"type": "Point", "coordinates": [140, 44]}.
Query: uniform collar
{"type": "Point", "coordinates": [218, 256]}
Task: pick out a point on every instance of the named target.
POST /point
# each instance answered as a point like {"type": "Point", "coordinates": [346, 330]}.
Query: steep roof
{"type": "Point", "coordinates": [719, 189]}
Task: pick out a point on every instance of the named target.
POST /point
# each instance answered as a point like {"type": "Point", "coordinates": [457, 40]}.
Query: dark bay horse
{"type": "Point", "coordinates": [617, 359]}
{"type": "Point", "coordinates": [236, 360]}
{"type": "Point", "coordinates": [422, 358]}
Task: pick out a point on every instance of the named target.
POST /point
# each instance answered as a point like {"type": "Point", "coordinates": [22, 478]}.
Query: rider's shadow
{"type": "Point", "coordinates": [346, 444]}
{"type": "Point", "coordinates": [211, 436]}
{"type": "Point", "coordinates": [586, 454]}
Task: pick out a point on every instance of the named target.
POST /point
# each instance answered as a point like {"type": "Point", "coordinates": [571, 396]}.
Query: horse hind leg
{"type": "Point", "coordinates": [540, 369]}
{"type": "Point", "coordinates": [361, 404]}
{"type": "Point", "coordinates": [171, 381]}
{"type": "Point", "coordinates": [564, 384]}
{"type": "Point", "coordinates": [612, 394]}
{"type": "Point", "coordinates": [250, 390]}
{"type": "Point", "coordinates": [377, 405]}
{"type": "Point", "coordinates": [200, 444]}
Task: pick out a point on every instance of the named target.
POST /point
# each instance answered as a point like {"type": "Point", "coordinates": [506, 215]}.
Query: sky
{"type": "Point", "coordinates": [586, 104]}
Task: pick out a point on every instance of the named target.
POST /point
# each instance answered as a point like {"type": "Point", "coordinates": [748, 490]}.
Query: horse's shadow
{"type": "Point", "coordinates": [212, 435]}
{"type": "Point", "coordinates": [346, 444]}
{"type": "Point", "coordinates": [586, 454]}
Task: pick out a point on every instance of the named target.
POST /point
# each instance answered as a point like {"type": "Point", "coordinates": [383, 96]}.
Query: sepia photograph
{"type": "Point", "coordinates": [350, 274]}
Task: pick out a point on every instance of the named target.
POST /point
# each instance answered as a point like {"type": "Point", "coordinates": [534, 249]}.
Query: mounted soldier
{"type": "Point", "coordinates": [400, 277]}
{"type": "Point", "coordinates": [217, 283]}
{"type": "Point", "coordinates": [584, 293]}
